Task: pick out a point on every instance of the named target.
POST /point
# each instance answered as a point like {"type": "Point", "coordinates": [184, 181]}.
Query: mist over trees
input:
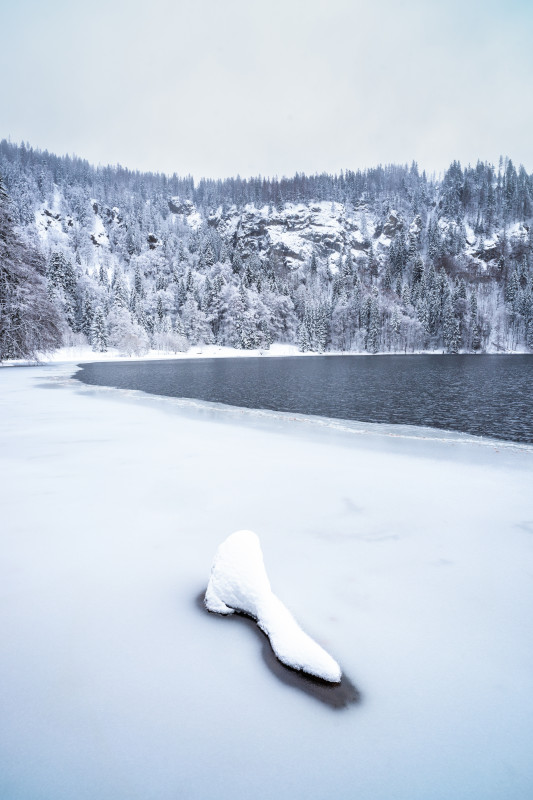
{"type": "Point", "coordinates": [381, 260]}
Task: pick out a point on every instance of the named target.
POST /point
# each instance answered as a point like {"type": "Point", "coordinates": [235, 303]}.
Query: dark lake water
{"type": "Point", "coordinates": [484, 395]}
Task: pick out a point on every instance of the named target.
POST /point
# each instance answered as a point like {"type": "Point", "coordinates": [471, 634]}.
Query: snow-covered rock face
{"type": "Point", "coordinates": [489, 249]}
{"type": "Point", "coordinates": [239, 582]}
{"type": "Point", "coordinates": [392, 225]}
{"type": "Point", "coordinates": [293, 232]}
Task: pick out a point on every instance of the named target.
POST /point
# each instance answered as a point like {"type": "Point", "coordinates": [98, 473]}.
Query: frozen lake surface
{"type": "Point", "coordinates": [409, 559]}
{"type": "Point", "coordinates": [485, 395]}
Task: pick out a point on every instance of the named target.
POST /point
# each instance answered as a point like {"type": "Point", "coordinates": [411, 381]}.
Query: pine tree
{"type": "Point", "coordinates": [476, 335]}
{"type": "Point", "coordinates": [396, 321]}
{"type": "Point", "coordinates": [398, 287]}
{"type": "Point", "coordinates": [87, 318]}
{"type": "Point", "coordinates": [512, 289]}
{"type": "Point", "coordinates": [247, 276]}
{"type": "Point", "coordinates": [373, 330]}
{"type": "Point", "coordinates": [137, 282]}
{"type": "Point", "coordinates": [178, 327]}
{"type": "Point", "coordinates": [236, 263]}
{"type": "Point", "coordinates": [160, 311]}
{"type": "Point", "coordinates": [304, 340]}
{"type": "Point", "coordinates": [120, 292]}
{"type": "Point", "coordinates": [321, 328]}
{"type": "Point", "coordinates": [451, 330]}
{"type": "Point", "coordinates": [195, 324]}
{"type": "Point", "coordinates": [313, 266]}
{"type": "Point", "coordinates": [417, 269]}
{"type": "Point", "coordinates": [99, 331]}
{"type": "Point", "coordinates": [433, 240]}
{"type": "Point", "coordinates": [70, 282]}
{"type": "Point", "coordinates": [56, 273]}
{"type": "Point", "coordinates": [529, 331]}
{"type": "Point", "coordinates": [209, 255]}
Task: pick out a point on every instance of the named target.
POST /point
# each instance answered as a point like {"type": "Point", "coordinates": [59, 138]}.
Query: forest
{"type": "Point", "coordinates": [387, 259]}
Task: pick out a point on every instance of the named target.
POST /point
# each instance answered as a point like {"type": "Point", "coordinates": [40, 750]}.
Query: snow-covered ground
{"type": "Point", "coordinates": [196, 351]}
{"type": "Point", "coordinates": [85, 353]}
{"type": "Point", "coordinates": [409, 559]}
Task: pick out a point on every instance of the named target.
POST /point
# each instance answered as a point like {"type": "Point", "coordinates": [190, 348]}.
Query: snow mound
{"type": "Point", "coordinates": [239, 582]}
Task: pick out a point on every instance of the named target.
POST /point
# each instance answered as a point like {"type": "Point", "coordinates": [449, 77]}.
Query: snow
{"type": "Point", "coordinates": [48, 222]}
{"type": "Point", "coordinates": [84, 353]}
{"type": "Point", "coordinates": [99, 232]}
{"type": "Point", "coordinates": [413, 559]}
{"type": "Point", "coordinates": [239, 582]}
{"type": "Point", "coordinates": [491, 243]}
{"type": "Point", "coordinates": [517, 231]}
{"type": "Point", "coordinates": [471, 238]}
{"type": "Point", "coordinates": [297, 229]}
{"type": "Point", "coordinates": [49, 226]}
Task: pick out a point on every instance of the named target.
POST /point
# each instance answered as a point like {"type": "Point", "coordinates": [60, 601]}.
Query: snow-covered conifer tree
{"type": "Point", "coordinates": [99, 331]}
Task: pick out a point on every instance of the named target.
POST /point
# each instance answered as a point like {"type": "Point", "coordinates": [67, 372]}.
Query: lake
{"type": "Point", "coordinates": [484, 395]}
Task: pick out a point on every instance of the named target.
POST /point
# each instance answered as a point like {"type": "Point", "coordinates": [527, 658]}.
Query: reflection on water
{"type": "Point", "coordinates": [485, 395]}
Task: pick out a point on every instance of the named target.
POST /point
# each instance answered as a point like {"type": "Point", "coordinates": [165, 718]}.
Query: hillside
{"type": "Point", "coordinates": [376, 261]}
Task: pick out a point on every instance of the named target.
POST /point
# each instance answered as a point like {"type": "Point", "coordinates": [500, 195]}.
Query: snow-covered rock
{"type": "Point", "coordinates": [392, 225]}
{"type": "Point", "coordinates": [239, 582]}
{"type": "Point", "coordinates": [292, 232]}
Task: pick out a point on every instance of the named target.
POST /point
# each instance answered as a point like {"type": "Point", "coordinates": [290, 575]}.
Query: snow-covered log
{"type": "Point", "coordinates": [239, 582]}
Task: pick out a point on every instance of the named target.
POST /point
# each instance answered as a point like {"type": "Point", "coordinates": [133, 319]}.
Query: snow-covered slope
{"type": "Point", "coordinates": [292, 233]}
{"type": "Point", "coordinates": [380, 261]}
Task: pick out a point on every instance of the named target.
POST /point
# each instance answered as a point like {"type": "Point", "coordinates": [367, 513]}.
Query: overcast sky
{"type": "Point", "coordinates": [220, 87]}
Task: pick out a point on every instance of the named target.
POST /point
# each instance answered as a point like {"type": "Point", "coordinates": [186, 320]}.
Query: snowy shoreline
{"type": "Point", "coordinates": [408, 557]}
{"type": "Point", "coordinates": [86, 354]}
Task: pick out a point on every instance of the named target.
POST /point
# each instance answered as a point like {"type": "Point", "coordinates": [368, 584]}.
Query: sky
{"type": "Point", "coordinates": [218, 88]}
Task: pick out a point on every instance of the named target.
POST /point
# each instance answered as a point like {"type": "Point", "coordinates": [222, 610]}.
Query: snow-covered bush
{"type": "Point", "coordinates": [126, 334]}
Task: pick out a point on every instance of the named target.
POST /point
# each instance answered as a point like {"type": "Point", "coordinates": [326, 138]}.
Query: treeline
{"type": "Point", "coordinates": [484, 192]}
